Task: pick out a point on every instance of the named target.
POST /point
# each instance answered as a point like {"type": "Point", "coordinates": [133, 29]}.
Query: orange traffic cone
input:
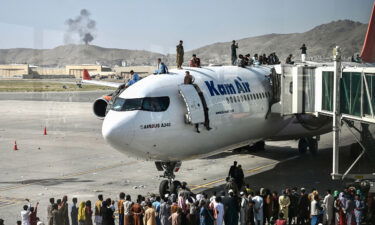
{"type": "Point", "coordinates": [15, 148]}
{"type": "Point", "coordinates": [45, 130]}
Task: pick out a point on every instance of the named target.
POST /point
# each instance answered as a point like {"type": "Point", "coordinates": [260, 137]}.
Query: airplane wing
{"type": "Point", "coordinates": [87, 79]}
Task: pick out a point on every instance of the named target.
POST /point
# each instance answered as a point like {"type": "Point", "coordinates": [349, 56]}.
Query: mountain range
{"type": "Point", "coordinates": [320, 40]}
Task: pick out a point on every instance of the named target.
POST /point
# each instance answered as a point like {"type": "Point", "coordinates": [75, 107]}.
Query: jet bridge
{"type": "Point", "coordinates": [344, 92]}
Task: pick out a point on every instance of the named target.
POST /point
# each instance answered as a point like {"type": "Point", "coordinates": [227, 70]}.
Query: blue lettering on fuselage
{"type": "Point", "coordinates": [228, 89]}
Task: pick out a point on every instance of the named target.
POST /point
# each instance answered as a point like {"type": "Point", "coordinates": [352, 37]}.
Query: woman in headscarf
{"type": "Point", "coordinates": [88, 213]}
{"type": "Point", "coordinates": [81, 213]}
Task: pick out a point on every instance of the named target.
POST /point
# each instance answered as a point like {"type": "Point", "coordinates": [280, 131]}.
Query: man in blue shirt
{"type": "Point", "coordinates": [156, 205]}
{"type": "Point", "coordinates": [133, 80]}
{"type": "Point", "coordinates": [161, 67]}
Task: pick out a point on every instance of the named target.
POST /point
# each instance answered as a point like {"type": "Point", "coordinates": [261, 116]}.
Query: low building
{"type": "Point", "coordinates": [14, 70]}
{"type": "Point", "coordinates": [124, 72]}
{"type": "Point", "coordinates": [77, 70]}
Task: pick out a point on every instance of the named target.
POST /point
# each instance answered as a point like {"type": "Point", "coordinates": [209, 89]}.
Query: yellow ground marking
{"type": "Point", "coordinates": [250, 171]}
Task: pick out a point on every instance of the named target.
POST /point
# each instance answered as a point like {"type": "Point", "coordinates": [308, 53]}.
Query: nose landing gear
{"type": "Point", "coordinates": [170, 185]}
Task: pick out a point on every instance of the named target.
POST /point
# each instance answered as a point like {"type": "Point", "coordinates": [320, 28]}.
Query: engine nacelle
{"type": "Point", "coordinates": [100, 106]}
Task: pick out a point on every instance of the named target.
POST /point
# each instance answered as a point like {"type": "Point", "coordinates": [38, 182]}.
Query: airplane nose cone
{"type": "Point", "coordinates": [118, 129]}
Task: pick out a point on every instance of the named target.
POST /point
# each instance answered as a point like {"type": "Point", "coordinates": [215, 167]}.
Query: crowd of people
{"type": "Point", "coordinates": [239, 60]}
{"type": "Point", "coordinates": [237, 204]}
{"type": "Point", "coordinates": [247, 60]}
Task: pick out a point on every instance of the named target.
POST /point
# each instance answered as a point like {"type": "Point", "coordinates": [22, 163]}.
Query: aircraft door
{"type": "Point", "coordinates": [194, 105]}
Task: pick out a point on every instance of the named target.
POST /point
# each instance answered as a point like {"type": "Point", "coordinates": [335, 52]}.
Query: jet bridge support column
{"type": "Point", "coordinates": [336, 113]}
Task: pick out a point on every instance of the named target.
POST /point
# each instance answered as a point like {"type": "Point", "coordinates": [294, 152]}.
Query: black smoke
{"type": "Point", "coordinates": [82, 26]}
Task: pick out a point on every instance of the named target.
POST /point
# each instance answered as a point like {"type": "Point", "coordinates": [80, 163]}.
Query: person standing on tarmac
{"type": "Point", "coordinates": [25, 213]}
{"type": "Point", "coordinates": [98, 210]}
{"type": "Point", "coordinates": [65, 215]}
{"type": "Point", "coordinates": [180, 55]}
{"type": "Point", "coordinates": [49, 211]}
{"type": "Point", "coordinates": [239, 177]}
{"type": "Point", "coordinates": [120, 206]}
{"type": "Point", "coordinates": [150, 215]}
{"type": "Point", "coordinates": [74, 212]}
{"type": "Point", "coordinates": [284, 202]}
{"type": "Point", "coordinates": [232, 170]}
{"type": "Point", "coordinates": [165, 212]}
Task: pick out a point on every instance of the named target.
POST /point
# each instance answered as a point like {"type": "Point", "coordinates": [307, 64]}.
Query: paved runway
{"type": "Point", "coordinates": [73, 159]}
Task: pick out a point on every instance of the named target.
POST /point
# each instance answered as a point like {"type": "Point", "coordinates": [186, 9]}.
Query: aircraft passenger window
{"type": "Point", "coordinates": [228, 100]}
{"type": "Point", "coordinates": [263, 95]}
{"type": "Point", "coordinates": [251, 96]}
{"type": "Point", "coordinates": [235, 99]}
{"type": "Point", "coordinates": [231, 99]}
{"type": "Point", "coordinates": [238, 99]}
{"type": "Point", "coordinates": [241, 98]}
{"type": "Point", "coordinates": [245, 97]}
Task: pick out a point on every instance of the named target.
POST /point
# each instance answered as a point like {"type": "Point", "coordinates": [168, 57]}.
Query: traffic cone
{"type": "Point", "coordinates": [15, 148]}
{"type": "Point", "coordinates": [45, 130]}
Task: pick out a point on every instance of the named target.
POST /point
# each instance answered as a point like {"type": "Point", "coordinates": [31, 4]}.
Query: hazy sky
{"type": "Point", "coordinates": [157, 25]}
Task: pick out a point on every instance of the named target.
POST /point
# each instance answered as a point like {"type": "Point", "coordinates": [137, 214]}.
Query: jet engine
{"type": "Point", "coordinates": [100, 106]}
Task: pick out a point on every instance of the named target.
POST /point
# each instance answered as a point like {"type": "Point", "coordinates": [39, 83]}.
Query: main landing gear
{"type": "Point", "coordinates": [170, 185]}
{"type": "Point", "coordinates": [309, 143]}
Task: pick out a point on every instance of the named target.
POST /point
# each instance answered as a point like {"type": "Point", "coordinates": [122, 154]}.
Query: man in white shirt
{"type": "Point", "coordinates": [328, 208]}
{"type": "Point", "coordinates": [314, 210]}
{"type": "Point", "coordinates": [219, 211]}
{"type": "Point", "coordinates": [258, 209]}
{"type": "Point", "coordinates": [25, 213]}
{"type": "Point", "coordinates": [127, 210]}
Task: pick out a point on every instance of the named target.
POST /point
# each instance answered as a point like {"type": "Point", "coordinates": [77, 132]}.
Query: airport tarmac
{"type": "Point", "coordinates": [74, 160]}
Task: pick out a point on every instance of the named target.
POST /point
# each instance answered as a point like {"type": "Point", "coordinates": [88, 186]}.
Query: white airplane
{"type": "Point", "coordinates": [159, 118]}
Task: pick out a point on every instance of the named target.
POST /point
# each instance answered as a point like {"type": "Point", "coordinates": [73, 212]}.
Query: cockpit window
{"type": "Point", "coordinates": [152, 104]}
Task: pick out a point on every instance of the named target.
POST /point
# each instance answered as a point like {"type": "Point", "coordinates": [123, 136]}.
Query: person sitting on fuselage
{"type": "Point", "coordinates": [162, 68]}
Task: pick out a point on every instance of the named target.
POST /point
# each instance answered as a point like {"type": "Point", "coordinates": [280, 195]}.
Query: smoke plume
{"type": "Point", "coordinates": [82, 27]}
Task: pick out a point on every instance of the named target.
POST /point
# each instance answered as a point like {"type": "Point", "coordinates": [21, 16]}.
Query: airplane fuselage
{"type": "Point", "coordinates": [237, 99]}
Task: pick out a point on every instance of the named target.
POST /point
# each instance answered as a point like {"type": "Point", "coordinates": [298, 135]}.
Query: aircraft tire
{"type": "Point", "coordinates": [175, 186]}
{"type": "Point", "coordinates": [313, 145]}
{"type": "Point", "coordinates": [163, 187]}
{"type": "Point", "coordinates": [302, 146]}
